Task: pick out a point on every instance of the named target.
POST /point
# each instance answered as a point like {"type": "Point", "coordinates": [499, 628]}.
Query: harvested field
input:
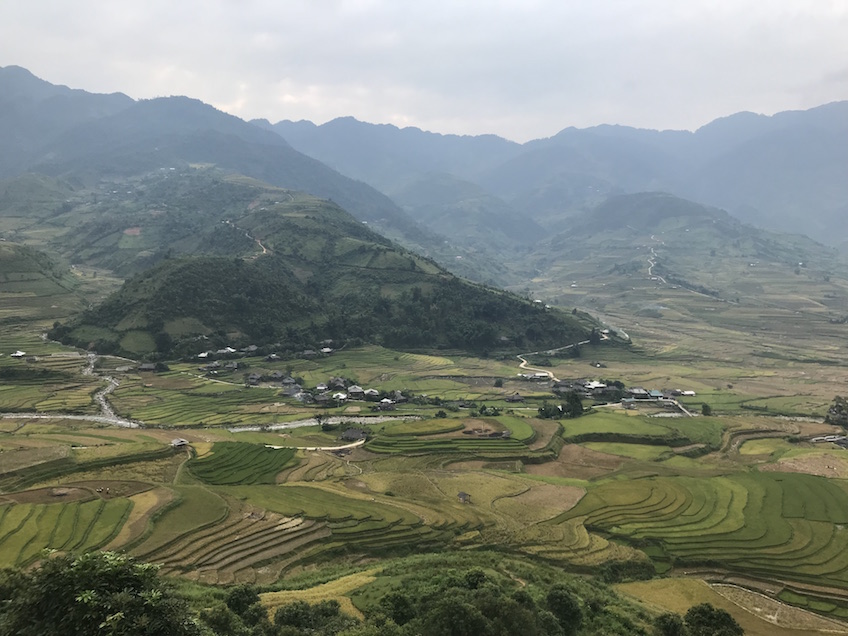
{"type": "Point", "coordinates": [819, 463]}
{"type": "Point", "coordinates": [577, 462]}
{"type": "Point", "coordinates": [776, 612]}
{"type": "Point", "coordinates": [540, 502]}
{"type": "Point", "coordinates": [336, 590]}
{"type": "Point", "coordinates": [23, 457]}
{"type": "Point", "coordinates": [678, 595]}
{"type": "Point", "coordinates": [545, 431]}
{"type": "Point", "coordinates": [153, 471]}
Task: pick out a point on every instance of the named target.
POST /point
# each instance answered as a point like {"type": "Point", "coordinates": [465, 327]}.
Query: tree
{"type": "Point", "coordinates": [240, 598]}
{"type": "Point", "coordinates": [669, 624]}
{"type": "Point", "coordinates": [707, 620]}
{"type": "Point", "coordinates": [499, 383]}
{"type": "Point", "coordinates": [573, 405]}
{"type": "Point", "coordinates": [94, 593]}
{"type": "Point", "coordinates": [398, 607]}
{"type": "Point", "coordinates": [838, 412]}
{"type": "Point", "coordinates": [452, 617]}
{"type": "Point", "coordinates": [563, 604]}
{"type": "Point", "coordinates": [706, 409]}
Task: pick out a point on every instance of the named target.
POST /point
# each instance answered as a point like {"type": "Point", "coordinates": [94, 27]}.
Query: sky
{"type": "Point", "coordinates": [521, 69]}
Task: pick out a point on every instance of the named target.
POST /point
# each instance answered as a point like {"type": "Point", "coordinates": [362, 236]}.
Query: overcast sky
{"type": "Point", "coordinates": [521, 68]}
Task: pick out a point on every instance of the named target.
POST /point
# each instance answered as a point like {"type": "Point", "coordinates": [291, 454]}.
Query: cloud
{"type": "Point", "coordinates": [521, 69]}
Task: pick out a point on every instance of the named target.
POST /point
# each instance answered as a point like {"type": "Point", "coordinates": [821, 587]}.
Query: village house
{"type": "Point", "coordinates": [356, 392]}
{"type": "Point", "coordinates": [354, 435]}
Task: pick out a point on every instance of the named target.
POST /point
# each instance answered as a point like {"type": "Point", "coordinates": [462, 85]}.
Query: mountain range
{"type": "Point", "coordinates": [177, 197]}
{"type": "Point", "coordinates": [785, 172]}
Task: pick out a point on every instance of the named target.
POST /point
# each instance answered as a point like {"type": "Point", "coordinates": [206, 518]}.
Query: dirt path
{"type": "Point", "coordinates": [319, 448]}
{"type": "Point", "coordinates": [526, 365]}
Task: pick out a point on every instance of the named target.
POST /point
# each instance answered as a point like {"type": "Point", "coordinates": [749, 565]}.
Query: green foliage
{"type": "Point", "coordinates": [706, 620]}
{"type": "Point", "coordinates": [706, 409]}
{"type": "Point", "coordinates": [324, 617]}
{"type": "Point", "coordinates": [572, 407]}
{"type": "Point", "coordinates": [322, 275]}
{"type": "Point", "coordinates": [565, 607]}
{"type": "Point", "coordinates": [669, 624]}
{"type": "Point", "coordinates": [95, 593]}
{"type": "Point", "coordinates": [241, 597]}
{"type": "Point", "coordinates": [838, 412]}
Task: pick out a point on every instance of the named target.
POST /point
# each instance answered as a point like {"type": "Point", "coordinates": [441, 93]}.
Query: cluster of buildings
{"type": "Point", "coordinates": [324, 350]}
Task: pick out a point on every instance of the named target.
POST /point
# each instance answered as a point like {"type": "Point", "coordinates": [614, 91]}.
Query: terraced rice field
{"type": "Point", "coordinates": [770, 525]}
{"type": "Point", "coordinates": [483, 447]}
{"type": "Point", "coordinates": [246, 546]}
{"type": "Point", "coordinates": [28, 528]}
{"type": "Point", "coordinates": [232, 463]}
{"type": "Point", "coordinates": [227, 406]}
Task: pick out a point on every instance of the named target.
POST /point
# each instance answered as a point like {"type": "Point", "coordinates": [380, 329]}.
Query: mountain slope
{"type": "Point", "coordinates": [303, 270]}
{"type": "Point", "coordinates": [784, 172]}
{"type": "Point", "coordinates": [386, 156]}
{"type": "Point", "coordinates": [670, 241]}
{"type": "Point", "coordinates": [82, 137]}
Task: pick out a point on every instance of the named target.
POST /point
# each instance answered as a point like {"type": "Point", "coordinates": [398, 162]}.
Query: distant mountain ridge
{"type": "Point", "coordinates": [785, 172]}
{"type": "Point", "coordinates": [82, 136]}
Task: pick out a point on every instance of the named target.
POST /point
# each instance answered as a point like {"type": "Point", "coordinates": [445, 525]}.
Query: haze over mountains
{"type": "Point", "coordinates": [485, 207]}
{"type": "Point", "coordinates": [785, 172]}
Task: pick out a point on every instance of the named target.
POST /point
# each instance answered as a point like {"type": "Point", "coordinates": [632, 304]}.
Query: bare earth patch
{"type": "Point", "coordinates": [545, 430]}
{"type": "Point", "coordinates": [57, 494]}
{"type": "Point", "coordinates": [133, 231]}
{"type": "Point", "coordinates": [776, 612]}
{"type": "Point", "coordinates": [577, 462]}
{"type": "Point", "coordinates": [116, 488]}
{"type": "Point", "coordinates": [822, 464]}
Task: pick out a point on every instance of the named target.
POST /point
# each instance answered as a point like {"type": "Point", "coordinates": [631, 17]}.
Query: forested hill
{"type": "Point", "coordinates": [83, 137]}
{"type": "Point", "coordinates": [299, 270]}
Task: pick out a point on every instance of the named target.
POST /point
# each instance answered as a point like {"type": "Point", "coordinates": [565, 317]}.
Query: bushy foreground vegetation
{"type": "Point", "coordinates": [113, 594]}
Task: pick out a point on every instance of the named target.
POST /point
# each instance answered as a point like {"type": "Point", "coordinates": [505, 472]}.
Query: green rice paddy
{"type": "Point", "coordinates": [28, 529]}
{"type": "Point", "coordinates": [233, 463]}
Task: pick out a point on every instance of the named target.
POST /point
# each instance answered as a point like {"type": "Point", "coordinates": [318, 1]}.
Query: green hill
{"type": "Point", "coordinates": [33, 285]}
{"type": "Point", "coordinates": [238, 262]}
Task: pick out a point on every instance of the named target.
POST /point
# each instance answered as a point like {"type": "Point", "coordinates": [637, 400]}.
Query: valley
{"type": "Point", "coordinates": [227, 360]}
